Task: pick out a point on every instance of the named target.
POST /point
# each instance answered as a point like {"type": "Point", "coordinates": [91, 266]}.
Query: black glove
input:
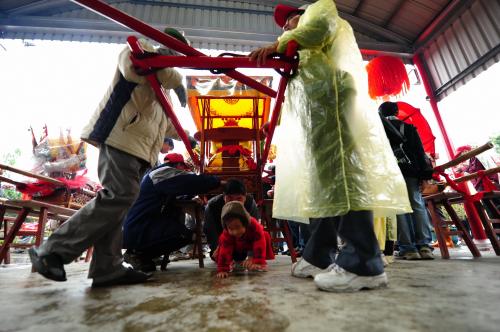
{"type": "Point", "coordinates": [180, 91]}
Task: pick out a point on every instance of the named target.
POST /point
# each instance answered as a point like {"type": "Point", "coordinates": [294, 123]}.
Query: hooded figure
{"type": "Point", "coordinates": [335, 157]}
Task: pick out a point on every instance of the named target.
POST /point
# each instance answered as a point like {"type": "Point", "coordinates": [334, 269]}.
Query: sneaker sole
{"type": "Point", "coordinates": [304, 275]}
{"type": "Point", "coordinates": [358, 284]}
{"type": "Point", "coordinates": [41, 268]}
{"type": "Point", "coordinates": [429, 258]}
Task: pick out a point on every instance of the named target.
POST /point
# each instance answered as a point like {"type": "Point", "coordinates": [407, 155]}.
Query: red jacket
{"type": "Point", "coordinates": [255, 239]}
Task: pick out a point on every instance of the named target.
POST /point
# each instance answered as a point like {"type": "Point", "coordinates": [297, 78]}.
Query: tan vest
{"type": "Point", "coordinates": [129, 117]}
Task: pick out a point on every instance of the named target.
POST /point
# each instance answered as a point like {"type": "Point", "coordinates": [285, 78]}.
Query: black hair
{"type": "Point", "coordinates": [229, 216]}
{"type": "Point", "coordinates": [192, 142]}
{"type": "Point", "coordinates": [169, 142]}
{"type": "Point", "coordinates": [388, 108]}
{"type": "Point", "coordinates": [235, 187]}
{"type": "Point", "coordinates": [295, 12]}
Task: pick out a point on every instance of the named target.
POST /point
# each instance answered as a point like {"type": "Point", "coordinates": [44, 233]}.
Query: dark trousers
{"type": "Point", "coordinates": [300, 234]}
{"type": "Point", "coordinates": [212, 232]}
{"type": "Point", "coordinates": [164, 248]}
{"type": "Point", "coordinates": [360, 254]}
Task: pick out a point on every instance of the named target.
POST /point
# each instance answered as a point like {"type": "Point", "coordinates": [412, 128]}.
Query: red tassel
{"type": "Point", "coordinates": [387, 77]}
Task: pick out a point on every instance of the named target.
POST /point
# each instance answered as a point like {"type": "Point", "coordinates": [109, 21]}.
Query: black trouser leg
{"type": "Point", "coordinates": [212, 233]}
{"type": "Point", "coordinates": [389, 248]}
{"type": "Point", "coordinates": [361, 253]}
{"type": "Point", "coordinates": [165, 248]}
{"type": "Point", "coordinates": [322, 245]}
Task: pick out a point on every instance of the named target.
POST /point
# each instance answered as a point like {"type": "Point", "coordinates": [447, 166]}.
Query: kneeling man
{"type": "Point", "coordinates": [154, 225]}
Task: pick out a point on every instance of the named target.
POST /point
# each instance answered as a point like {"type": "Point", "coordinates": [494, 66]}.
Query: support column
{"type": "Point", "coordinates": [470, 210]}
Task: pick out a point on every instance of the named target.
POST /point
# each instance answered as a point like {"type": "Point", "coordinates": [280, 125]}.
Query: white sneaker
{"type": "Point", "coordinates": [304, 269]}
{"type": "Point", "coordinates": [340, 280]}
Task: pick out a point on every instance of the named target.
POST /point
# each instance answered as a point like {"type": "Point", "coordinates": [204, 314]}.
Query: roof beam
{"type": "Point", "coordinates": [358, 7]}
{"type": "Point", "coordinates": [102, 27]}
{"type": "Point", "coordinates": [362, 25]}
{"type": "Point", "coordinates": [442, 21]}
{"type": "Point", "coordinates": [36, 7]}
{"type": "Point", "coordinates": [33, 25]}
{"type": "Point", "coordinates": [394, 13]}
{"type": "Point", "coordinates": [200, 6]}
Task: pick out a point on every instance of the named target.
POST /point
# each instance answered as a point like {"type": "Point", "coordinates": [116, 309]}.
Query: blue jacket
{"type": "Point", "coordinates": [153, 217]}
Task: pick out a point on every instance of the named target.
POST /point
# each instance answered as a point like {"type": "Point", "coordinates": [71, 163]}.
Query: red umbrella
{"type": "Point", "coordinates": [412, 115]}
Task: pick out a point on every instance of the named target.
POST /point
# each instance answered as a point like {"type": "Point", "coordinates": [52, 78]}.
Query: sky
{"type": "Point", "coordinates": [61, 83]}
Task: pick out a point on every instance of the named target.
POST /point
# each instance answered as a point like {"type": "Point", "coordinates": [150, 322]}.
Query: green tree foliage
{"type": "Point", "coordinates": [10, 158]}
{"type": "Point", "coordinates": [496, 141]}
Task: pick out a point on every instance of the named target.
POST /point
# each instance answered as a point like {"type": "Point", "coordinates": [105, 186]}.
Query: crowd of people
{"type": "Point", "coordinates": [353, 165]}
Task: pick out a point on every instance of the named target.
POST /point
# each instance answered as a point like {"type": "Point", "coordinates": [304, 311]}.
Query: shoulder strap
{"type": "Point", "coordinates": [397, 132]}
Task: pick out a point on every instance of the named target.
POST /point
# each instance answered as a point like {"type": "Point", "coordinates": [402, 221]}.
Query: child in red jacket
{"type": "Point", "coordinates": [242, 233]}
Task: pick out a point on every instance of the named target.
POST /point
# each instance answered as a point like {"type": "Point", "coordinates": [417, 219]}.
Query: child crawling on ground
{"type": "Point", "coordinates": [243, 243]}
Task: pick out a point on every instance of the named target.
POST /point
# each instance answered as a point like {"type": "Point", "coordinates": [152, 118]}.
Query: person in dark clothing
{"type": "Point", "coordinates": [154, 226]}
{"type": "Point", "coordinates": [414, 229]}
{"type": "Point", "coordinates": [234, 190]}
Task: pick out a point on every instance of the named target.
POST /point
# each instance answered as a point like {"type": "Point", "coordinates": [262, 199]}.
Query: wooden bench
{"type": "Point", "coordinates": [195, 209]}
{"type": "Point", "coordinates": [448, 199]}
{"type": "Point", "coordinates": [24, 208]}
{"type": "Point", "coordinates": [275, 227]}
{"type": "Point", "coordinates": [441, 227]}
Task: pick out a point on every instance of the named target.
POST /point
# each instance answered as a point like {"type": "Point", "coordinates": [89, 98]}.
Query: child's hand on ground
{"type": "Point", "coordinates": [222, 275]}
{"type": "Point", "coordinates": [260, 268]}
{"type": "Point", "coordinates": [247, 263]}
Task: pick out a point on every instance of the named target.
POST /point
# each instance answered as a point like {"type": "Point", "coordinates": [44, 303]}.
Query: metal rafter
{"type": "Point", "coordinates": [37, 7]}
{"type": "Point", "coordinates": [365, 26]}
{"type": "Point", "coordinates": [358, 7]}
{"type": "Point", "coordinates": [442, 20]}
{"type": "Point", "coordinates": [394, 13]}
{"type": "Point", "coordinates": [101, 27]}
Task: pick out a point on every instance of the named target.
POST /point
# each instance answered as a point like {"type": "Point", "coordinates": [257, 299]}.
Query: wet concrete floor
{"type": "Point", "coordinates": [460, 294]}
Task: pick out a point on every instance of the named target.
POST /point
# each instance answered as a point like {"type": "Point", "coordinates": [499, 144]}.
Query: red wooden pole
{"type": "Point", "coordinates": [433, 101]}
{"type": "Point", "coordinates": [204, 62]}
{"type": "Point", "coordinates": [164, 101]}
{"type": "Point", "coordinates": [290, 51]}
{"type": "Point", "coordinates": [130, 22]}
{"type": "Point", "coordinates": [470, 210]}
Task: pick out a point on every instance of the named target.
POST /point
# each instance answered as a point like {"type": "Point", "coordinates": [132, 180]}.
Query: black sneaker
{"type": "Point", "coordinates": [140, 262]}
{"type": "Point", "coordinates": [50, 266]}
{"type": "Point", "coordinates": [130, 277]}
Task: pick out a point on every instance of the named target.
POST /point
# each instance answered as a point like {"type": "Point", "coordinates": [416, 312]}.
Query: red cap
{"type": "Point", "coordinates": [281, 13]}
{"type": "Point", "coordinates": [462, 149]}
{"type": "Point", "coordinates": [173, 158]}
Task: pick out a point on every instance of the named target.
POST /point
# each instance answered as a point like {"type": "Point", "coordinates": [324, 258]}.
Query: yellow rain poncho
{"type": "Point", "coordinates": [332, 152]}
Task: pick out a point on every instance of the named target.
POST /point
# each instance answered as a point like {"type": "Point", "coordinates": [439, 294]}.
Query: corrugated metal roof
{"type": "Point", "coordinates": [469, 46]}
{"type": "Point", "coordinates": [456, 41]}
{"type": "Point", "coordinates": [250, 21]}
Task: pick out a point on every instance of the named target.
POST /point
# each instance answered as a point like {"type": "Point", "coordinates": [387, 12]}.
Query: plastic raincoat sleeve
{"type": "Point", "coordinates": [313, 30]}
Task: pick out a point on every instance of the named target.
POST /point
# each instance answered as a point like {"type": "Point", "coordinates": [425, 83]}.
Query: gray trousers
{"type": "Point", "coordinates": [360, 253]}
{"type": "Point", "coordinates": [99, 223]}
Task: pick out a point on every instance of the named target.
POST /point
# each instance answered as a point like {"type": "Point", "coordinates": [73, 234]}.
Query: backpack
{"type": "Point", "coordinates": [398, 150]}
